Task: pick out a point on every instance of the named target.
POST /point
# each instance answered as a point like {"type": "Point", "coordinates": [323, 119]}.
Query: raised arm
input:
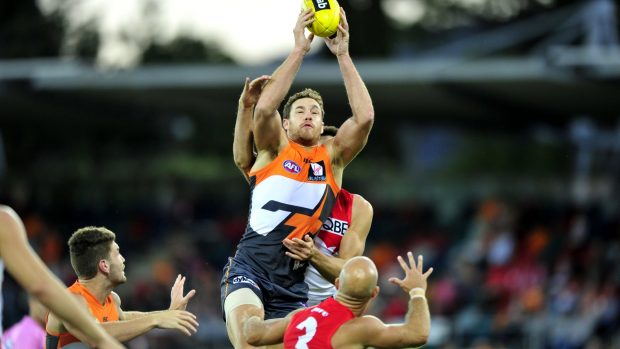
{"type": "Point", "coordinates": [259, 333]}
{"type": "Point", "coordinates": [243, 151]}
{"type": "Point", "coordinates": [414, 332]}
{"type": "Point", "coordinates": [267, 126]}
{"type": "Point", "coordinates": [353, 134]}
{"type": "Point", "coordinates": [352, 244]}
{"type": "Point", "coordinates": [30, 272]}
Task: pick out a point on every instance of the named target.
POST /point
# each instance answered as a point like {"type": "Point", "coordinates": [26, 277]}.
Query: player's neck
{"type": "Point", "coordinates": [306, 146]}
{"type": "Point", "coordinates": [356, 306]}
{"type": "Point", "coordinates": [99, 287]}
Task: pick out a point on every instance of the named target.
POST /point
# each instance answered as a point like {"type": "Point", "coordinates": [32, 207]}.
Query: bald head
{"type": "Point", "coordinates": [358, 278]}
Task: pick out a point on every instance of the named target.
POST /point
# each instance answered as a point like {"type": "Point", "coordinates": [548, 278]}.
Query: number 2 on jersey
{"type": "Point", "coordinates": [310, 325]}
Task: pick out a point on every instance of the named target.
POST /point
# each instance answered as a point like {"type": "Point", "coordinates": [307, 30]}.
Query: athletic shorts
{"type": "Point", "coordinates": [277, 301]}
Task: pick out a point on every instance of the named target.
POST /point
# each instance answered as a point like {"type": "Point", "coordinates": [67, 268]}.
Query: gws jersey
{"type": "Point", "coordinates": [291, 197]}
{"type": "Point", "coordinates": [103, 313]}
{"type": "Point", "coordinates": [328, 243]}
{"type": "Point", "coordinates": [314, 327]}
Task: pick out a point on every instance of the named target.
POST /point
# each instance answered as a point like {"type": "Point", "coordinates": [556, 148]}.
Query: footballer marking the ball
{"type": "Point", "coordinates": [327, 15]}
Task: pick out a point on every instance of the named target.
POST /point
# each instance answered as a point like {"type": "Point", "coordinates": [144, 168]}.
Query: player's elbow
{"type": "Point", "coordinates": [262, 110]}
{"type": "Point", "coordinates": [418, 338]}
{"type": "Point", "coordinates": [367, 117]}
{"type": "Point", "coordinates": [242, 163]}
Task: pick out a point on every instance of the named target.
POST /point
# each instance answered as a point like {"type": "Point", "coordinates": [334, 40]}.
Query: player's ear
{"type": "Point", "coordinates": [285, 124]}
{"type": "Point", "coordinates": [337, 284]}
{"type": "Point", "coordinates": [104, 266]}
{"type": "Point", "coordinates": [322, 127]}
{"type": "Point", "coordinates": [375, 292]}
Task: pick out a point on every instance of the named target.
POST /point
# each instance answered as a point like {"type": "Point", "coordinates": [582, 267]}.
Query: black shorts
{"type": "Point", "coordinates": [278, 301]}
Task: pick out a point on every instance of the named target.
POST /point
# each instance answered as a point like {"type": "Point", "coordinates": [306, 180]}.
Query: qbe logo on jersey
{"type": "Point", "coordinates": [320, 5]}
{"type": "Point", "coordinates": [336, 226]}
{"type": "Point", "coordinates": [291, 166]}
{"type": "Point", "coordinates": [316, 173]}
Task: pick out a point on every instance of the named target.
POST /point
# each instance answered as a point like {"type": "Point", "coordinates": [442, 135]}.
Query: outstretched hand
{"type": "Point", "coordinates": [340, 44]}
{"type": "Point", "coordinates": [413, 276]}
{"type": "Point", "coordinates": [177, 301]}
{"type": "Point", "coordinates": [252, 90]}
{"type": "Point", "coordinates": [301, 41]}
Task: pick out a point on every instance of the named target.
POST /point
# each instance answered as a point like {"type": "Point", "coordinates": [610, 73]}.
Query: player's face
{"type": "Point", "coordinates": [305, 124]}
{"type": "Point", "coordinates": [117, 265]}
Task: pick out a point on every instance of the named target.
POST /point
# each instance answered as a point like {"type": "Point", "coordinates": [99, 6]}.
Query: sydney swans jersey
{"type": "Point", "coordinates": [328, 242]}
{"type": "Point", "coordinates": [314, 327]}
{"type": "Point", "coordinates": [291, 197]}
{"type": "Point", "coordinates": [103, 313]}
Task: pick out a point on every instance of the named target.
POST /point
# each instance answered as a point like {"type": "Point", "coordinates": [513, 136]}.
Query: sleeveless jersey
{"type": "Point", "coordinates": [103, 313]}
{"type": "Point", "coordinates": [328, 242]}
{"type": "Point", "coordinates": [291, 197]}
{"type": "Point", "coordinates": [314, 327]}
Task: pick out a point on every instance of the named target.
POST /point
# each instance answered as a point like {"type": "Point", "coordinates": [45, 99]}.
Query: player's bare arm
{"type": "Point", "coordinates": [258, 332]}
{"type": "Point", "coordinates": [352, 244]}
{"type": "Point", "coordinates": [30, 272]}
{"type": "Point", "coordinates": [177, 301]}
{"type": "Point", "coordinates": [269, 136]}
{"type": "Point", "coordinates": [128, 328]}
{"type": "Point", "coordinates": [243, 151]}
{"type": "Point", "coordinates": [370, 331]}
{"type": "Point", "coordinates": [353, 134]}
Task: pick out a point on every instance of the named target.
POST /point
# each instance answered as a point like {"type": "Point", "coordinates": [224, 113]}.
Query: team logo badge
{"type": "Point", "coordinates": [244, 280]}
{"type": "Point", "coordinates": [298, 265]}
{"type": "Point", "coordinates": [316, 173]}
{"type": "Point", "coordinates": [291, 166]}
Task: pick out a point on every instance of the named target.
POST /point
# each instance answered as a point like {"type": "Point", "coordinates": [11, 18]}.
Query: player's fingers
{"type": "Point", "coordinates": [187, 313]}
{"type": "Point", "coordinates": [306, 16]}
{"type": "Point", "coordinates": [428, 272]}
{"type": "Point", "coordinates": [395, 281]}
{"type": "Point", "coordinates": [308, 238]}
{"type": "Point", "coordinates": [308, 22]}
{"type": "Point", "coordinates": [189, 295]}
{"type": "Point", "coordinates": [420, 263]}
{"type": "Point", "coordinates": [402, 263]}
{"type": "Point", "coordinates": [310, 37]}
{"type": "Point", "coordinates": [187, 325]}
{"type": "Point", "coordinates": [294, 256]}
{"type": "Point", "coordinates": [183, 329]}
{"type": "Point", "coordinates": [191, 321]}
{"type": "Point", "coordinates": [411, 260]}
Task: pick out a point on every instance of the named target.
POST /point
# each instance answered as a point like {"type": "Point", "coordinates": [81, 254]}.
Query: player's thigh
{"type": "Point", "coordinates": [238, 303]}
{"type": "Point", "coordinates": [234, 324]}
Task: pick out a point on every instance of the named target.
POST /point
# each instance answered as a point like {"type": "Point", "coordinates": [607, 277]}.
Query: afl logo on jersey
{"type": "Point", "coordinates": [291, 166]}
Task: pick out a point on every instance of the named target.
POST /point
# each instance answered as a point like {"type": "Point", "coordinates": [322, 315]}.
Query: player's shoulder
{"type": "Point", "coordinates": [115, 298]}
{"type": "Point", "coordinates": [80, 299]}
{"type": "Point", "coordinates": [358, 330]}
{"type": "Point", "coordinates": [361, 205]}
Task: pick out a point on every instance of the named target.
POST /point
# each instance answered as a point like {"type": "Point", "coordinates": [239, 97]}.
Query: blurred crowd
{"type": "Point", "coordinates": [508, 273]}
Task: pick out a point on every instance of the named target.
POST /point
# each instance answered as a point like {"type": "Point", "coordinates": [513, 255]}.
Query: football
{"type": "Point", "coordinates": [327, 14]}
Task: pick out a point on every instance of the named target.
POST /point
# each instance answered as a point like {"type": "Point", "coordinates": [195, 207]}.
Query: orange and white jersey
{"type": "Point", "coordinates": [291, 197]}
{"type": "Point", "coordinates": [103, 313]}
